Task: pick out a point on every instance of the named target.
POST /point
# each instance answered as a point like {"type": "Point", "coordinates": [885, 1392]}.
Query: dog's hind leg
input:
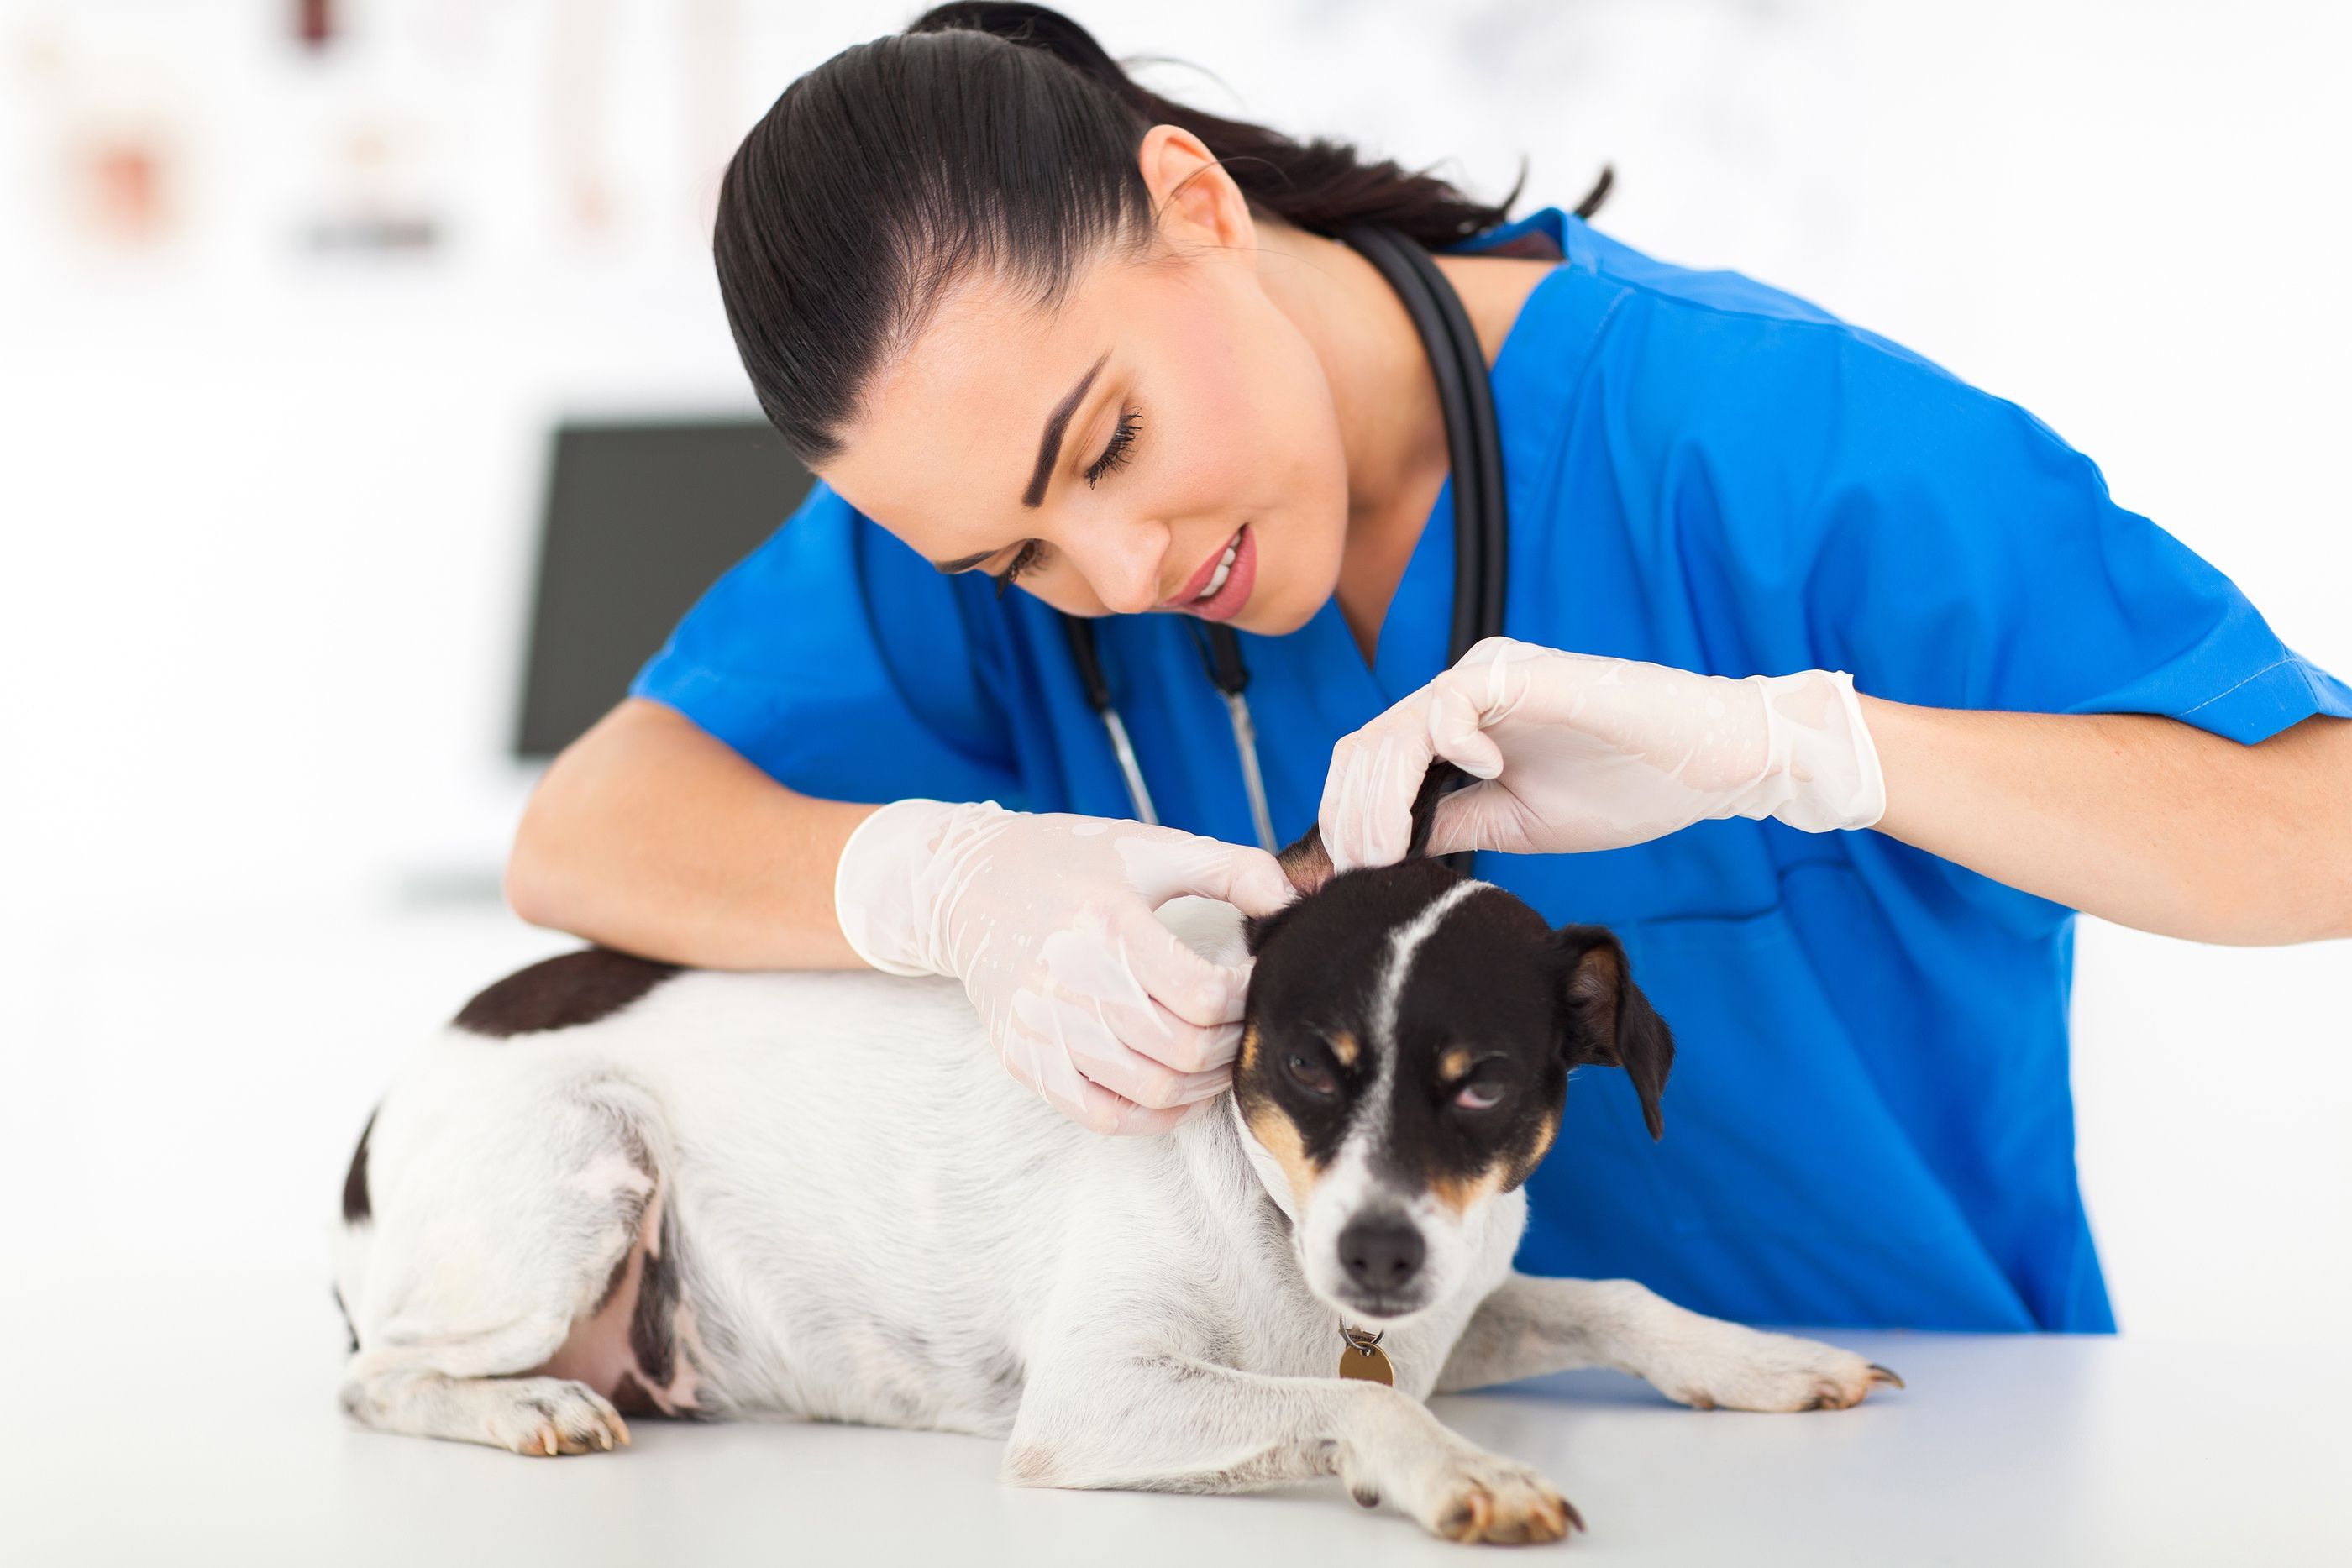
{"type": "Point", "coordinates": [1171, 1423]}
{"type": "Point", "coordinates": [494, 1221]}
{"type": "Point", "coordinates": [1528, 1327]}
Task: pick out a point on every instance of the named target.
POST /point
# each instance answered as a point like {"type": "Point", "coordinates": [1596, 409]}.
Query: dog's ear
{"type": "Point", "coordinates": [1306, 862]}
{"type": "Point", "coordinates": [1435, 784]}
{"type": "Point", "coordinates": [1309, 864]}
{"type": "Point", "coordinates": [1309, 867]}
{"type": "Point", "coordinates": [1606, 1019]}
{"type": "Point", "coordinates": [1257, 929]}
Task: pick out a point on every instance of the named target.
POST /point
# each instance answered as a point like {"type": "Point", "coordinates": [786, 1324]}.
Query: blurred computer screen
{"type": "Point", "coordinates": [640, 517]}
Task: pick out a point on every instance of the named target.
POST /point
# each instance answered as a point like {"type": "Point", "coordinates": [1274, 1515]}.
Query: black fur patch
{"type": "Point", "coordinates": [562, 992]}
{"type": "Point", "coordinates": [630, 1398]}
{"type": "Point", "coordinates": [355, 1182]}
{"type": "Point", "coordinates": [657, 1291]}
{"type": "Point", "coordinates": [1610, 1022]}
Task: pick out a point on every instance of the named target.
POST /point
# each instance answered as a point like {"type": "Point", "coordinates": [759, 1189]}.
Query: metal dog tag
{"type": "Point", "coordinates": [1363, 1357]}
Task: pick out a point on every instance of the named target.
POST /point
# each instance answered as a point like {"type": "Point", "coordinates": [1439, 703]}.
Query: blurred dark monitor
{"type": "Point", "coordinates": [640, 519]}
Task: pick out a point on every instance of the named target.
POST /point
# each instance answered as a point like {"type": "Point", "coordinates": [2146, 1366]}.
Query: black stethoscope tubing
{"type": "Point", "coordinates": [1467, 403]}
{"type": "Point", "coordinates": [1481, 523]}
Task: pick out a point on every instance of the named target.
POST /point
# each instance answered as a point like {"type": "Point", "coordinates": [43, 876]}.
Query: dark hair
{"type": "Point", "coordinates": [996, 135]}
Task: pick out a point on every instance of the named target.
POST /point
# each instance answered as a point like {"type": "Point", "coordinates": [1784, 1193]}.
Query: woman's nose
{"type": "Point", "coordinates": [1126, 577]}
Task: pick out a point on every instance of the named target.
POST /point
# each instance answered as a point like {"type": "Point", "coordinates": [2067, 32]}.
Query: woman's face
{"type": "Point", "coordinates": [1110, 452]}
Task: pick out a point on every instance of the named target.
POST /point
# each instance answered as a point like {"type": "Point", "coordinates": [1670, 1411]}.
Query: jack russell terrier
{"type": "Point", "coordinates": [614, 1186]}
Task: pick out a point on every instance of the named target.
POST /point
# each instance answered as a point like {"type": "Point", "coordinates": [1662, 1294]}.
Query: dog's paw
{"type": "Point", "coordinates": [545, 1416]}
{"type": "Point", "coordinates": [1739, 1368]}
{"type": "Point", "coordinates": [1480, 1496]}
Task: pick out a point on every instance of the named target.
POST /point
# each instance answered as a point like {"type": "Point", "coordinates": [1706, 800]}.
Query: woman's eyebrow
{"type": "Point", "coordinates": [1049, 452]}
{"type": "Point", "coordinates": [1049, 445]}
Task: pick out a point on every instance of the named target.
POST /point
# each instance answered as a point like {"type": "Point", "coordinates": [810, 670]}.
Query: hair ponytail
{"type": "Point", "coordinates": [984, 135]}
{"type": "Point", "coordinates": [1318, 185]}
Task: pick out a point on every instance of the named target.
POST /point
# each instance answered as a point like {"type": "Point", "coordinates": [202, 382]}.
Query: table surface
{"type": "Point", "coordinates": [190, 1418]}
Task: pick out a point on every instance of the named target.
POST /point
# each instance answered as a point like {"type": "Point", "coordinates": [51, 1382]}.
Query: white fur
{"type": "Point", "coordinates": [1403, 943]}
{"type": "Point", "coordinates": [879, 1225]}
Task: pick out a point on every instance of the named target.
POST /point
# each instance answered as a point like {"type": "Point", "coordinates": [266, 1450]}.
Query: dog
{"type": "Point", "coordinates": [614, 1187]}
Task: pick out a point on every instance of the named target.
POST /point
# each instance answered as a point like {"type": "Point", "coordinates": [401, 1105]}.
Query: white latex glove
{"type": "Point", "coordinates": [1048, 921]}
{"type": "Point", "coordinates": [1579, 752]}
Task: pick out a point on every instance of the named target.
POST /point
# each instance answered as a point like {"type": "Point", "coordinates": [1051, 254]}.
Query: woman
{"type": "Point", "coordinates": [1773, 582]}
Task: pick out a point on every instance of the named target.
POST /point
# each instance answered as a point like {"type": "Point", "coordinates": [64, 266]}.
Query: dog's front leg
{"type": "Point", "coordinates": [1171, 1423]}
{"type": "Point", "coordinates": [1528, 1327]}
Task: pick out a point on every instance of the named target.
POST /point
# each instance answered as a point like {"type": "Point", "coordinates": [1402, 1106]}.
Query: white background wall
{"type": "Point", "coordinates": [267, 515]}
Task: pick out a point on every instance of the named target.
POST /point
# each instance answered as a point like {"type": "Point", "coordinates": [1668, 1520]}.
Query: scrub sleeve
{"type": "Point", "coordinates": [844, 665]}
{"type": "Point", "coordinates": [1869, 1119]}
{"type": "Point", "coordinates": [1946, 546]}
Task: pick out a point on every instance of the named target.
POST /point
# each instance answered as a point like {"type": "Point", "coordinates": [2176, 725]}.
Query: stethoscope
{"type": "Point", "coordinates": [1474, 449]}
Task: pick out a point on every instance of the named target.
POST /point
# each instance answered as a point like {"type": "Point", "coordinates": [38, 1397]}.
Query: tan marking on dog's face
{"type": "Point", "coordinates": [1343, 1046]}
{"type": "Point", "coordinates": [1269, 1125]}
{"type": "Point", "coordinates": [1460, 1194]}
{"type": "Point", "coordinates": [1453, 1064]}
{"type": "Point", "coordinates": [1280, 1135]}
{"type": "Point", "coordinates": [1524, 1169]}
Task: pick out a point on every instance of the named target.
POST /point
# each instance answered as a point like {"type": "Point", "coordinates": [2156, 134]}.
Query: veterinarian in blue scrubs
{"type": "Point", "coordinates": [1869, 1119]}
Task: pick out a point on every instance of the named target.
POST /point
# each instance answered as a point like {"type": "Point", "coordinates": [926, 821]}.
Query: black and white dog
{"type": "Point", "coordinates": [610, 1185]}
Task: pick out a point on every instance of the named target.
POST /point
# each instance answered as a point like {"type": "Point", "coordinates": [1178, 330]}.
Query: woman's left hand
{"type": "Point", "coordinates": [1577, 752]}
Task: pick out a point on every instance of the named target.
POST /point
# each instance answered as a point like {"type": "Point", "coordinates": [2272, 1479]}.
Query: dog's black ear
{"type": "Point", "coordinates": [1607, 1021]}
{"type": "Point", "coordinates": [1309, 867]}
{"type": "Point", "coordinates": [1435, 784]}
{"type": "Point", "coordinates": [1306, 862]}
{"type": "Point", "coordinates": [1257, 929]}
{"type": "Point", "coordinates": [1309, 864]}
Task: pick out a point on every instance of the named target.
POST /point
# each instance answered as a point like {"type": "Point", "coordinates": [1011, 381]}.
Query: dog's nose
{"type": "Point", "coordinates": [1381, 1253]}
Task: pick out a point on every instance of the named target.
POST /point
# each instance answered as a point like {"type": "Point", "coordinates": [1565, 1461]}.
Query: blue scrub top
{"type": "Point", "coordinates": [1869, 1121]}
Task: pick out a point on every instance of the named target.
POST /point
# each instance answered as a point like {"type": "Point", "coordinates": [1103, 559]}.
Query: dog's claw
{"type": "Point", "coordinates": [1881, 1375]}
{"type": "Point", "coordinates": [1506, 1510]}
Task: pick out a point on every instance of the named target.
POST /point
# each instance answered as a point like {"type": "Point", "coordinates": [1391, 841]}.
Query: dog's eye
{"type": "Point", "coordinates": [1482, 1094]}
{"type": "Point", "coordinates": [1312, 1076]}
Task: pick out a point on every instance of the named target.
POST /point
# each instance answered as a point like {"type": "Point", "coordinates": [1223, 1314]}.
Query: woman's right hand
{"type": "Point", "coordinates": [1048, 919]}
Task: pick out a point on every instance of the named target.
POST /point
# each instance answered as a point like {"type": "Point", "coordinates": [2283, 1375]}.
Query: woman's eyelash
{"type": "Point", "coordinates": [1117, 452]}
{"type": "Point", "coordinates": [1114, 455]}
{"type": "Point", "coordinates": [1026, 560]}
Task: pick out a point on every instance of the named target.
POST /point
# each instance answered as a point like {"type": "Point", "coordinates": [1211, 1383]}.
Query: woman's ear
{"type": "Point", "coordinates": [1606, 1019]}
